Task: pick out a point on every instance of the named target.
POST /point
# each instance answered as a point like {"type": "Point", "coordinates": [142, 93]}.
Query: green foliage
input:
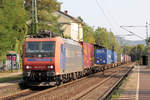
{"type": "Point", "coordinates": [147, 40]}
{"type": "Point", "coordinates": [114, 43]}
{"type": "Point", "coordinates": [11, 78]}
{"type": "Point", "coordinates": [88, 34]}
{"type": "Point", "coordinates": [134, 51]}
{"type": "Point", "coordinates": [12, 26]}
{"type": "Point", "coordinates": [137, 51]}
{"type": "Point", "coordinates": [101, 37]}
{"type": "Point", "coordinates": [46, 19]}
{"type": "Point", "coordinates": [106, 39]}
{"type": "Point", "coordinates": [126, 49]}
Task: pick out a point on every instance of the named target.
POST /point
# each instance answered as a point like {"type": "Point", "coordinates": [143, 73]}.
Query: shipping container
{"type": "Point", "coordinates": [119, 58]}
{"type": "Point", "coordinates": [102, 56]}
{"type": "Point", "coordinates": [126, 58]}
{"type": "Point", "coordinates": [88, 54]}
{"type": "Point", "coordinates": [114, 57]}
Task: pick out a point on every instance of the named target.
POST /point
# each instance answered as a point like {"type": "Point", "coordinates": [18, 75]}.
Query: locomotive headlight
{"type": "Point", "coordinates": [51, 67]}
{"type": "Point", "coordinates": [28, 67]}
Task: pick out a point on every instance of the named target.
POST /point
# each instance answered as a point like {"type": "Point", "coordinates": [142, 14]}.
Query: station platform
{"type": "Point", "coordinates": [7, 79]}
{"type": "Point", "coordinates": [137, 85]}
{"type": "Point", "coordinates": [10, 74]}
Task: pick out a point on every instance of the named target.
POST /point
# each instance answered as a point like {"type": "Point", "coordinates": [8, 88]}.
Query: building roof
{"type": "Point", "coordinates": [12, 52]}
{"type": "Point", "coordinates": [73, 18]}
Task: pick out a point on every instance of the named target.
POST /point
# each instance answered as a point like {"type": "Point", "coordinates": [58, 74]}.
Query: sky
{"type": "Point", "coordinates": [112, 14]}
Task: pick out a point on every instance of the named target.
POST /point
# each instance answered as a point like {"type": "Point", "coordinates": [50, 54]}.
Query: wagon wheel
{"type": "Point", "coordinates": [58, 81]}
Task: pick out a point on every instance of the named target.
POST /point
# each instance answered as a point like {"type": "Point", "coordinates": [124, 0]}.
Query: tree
{"type": "Point", "coordinates": [88, 34]}
{"type": "Point", "coordinates": [114, 43]}
{"type": "Point", "coordinates": [107, 39]}
{"type": "Point", "coordinates": [126, 49]}
{"type": "Point", "coordinates": [46, 18]}
{"type": "Point", "coordinates": [12, 26]}
{"type": "Point", "coordinates": [137, 51]}
{"type": "Point", "coordinates": [101, 37]}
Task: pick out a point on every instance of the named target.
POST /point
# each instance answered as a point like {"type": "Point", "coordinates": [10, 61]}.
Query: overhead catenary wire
{"type": "Point", "coordinates": [115, 22]}
{"type": "Point", "coordinates": [113, 19]}
{"type": "Point", "coordinates": [103, 11]}
{"type": "Point", "coordinates": [139, 26]}
{"type": "Point", "coordinates": [132, 32]}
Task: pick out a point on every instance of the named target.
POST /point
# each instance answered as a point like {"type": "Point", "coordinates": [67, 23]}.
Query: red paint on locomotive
{"type": "Point", "coordinates": [42, 63]}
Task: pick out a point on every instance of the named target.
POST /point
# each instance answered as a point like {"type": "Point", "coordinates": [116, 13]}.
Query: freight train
{"type": "Point", "coordinates": [61, 60]}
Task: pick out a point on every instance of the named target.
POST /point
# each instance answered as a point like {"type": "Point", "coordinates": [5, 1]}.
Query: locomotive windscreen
{"type": "Point", "coordinates": [40, 49]}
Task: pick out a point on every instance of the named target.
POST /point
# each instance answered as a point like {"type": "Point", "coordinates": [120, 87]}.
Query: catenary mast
{"type": "Point", "coordinates": [34, 23]}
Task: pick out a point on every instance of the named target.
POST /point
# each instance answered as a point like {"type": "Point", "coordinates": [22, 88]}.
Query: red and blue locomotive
{"type": "Point", "coordinates": [51, 59]}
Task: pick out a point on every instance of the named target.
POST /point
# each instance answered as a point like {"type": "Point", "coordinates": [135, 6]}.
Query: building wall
{"type": "Point", "coordinates": [74, 31]}
{"type": "Point", "coordinates": [66, 30]}
{"type": "Point", "coordinates": [71, 28]}
{"type": "Point", "coordinates": [80, 32]}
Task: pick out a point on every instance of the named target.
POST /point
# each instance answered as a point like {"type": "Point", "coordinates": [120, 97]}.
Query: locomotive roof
{"type": "Point", "coordinates": [41, 39]}
{"type": "Point", "coordinates": [67, 41]}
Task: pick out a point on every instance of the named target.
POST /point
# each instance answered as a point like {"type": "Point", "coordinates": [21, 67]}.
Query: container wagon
{"type": "Point", "coordinates": [102, 56]}
{"type": "Point", "coordinates": [88, 56]}
{"type": "Point", "coordinates": [114, 57]}
{"type": "Point", "coordinates": [119, 58]}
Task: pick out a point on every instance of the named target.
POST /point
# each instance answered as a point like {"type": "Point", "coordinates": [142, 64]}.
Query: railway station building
{"type": "Point", "coordinates": [72, 27]}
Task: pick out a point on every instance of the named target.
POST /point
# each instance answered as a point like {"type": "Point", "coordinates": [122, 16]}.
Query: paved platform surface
{"type": "Point", "coordinates": [137, 85]}
{"type": "Point", "coordinates": [11, 74]}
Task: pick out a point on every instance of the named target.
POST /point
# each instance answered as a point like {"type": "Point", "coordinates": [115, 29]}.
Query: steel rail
{"type": "Point", "coordinates": [110, 91]}
{"type": "Point", "coordinates": [79, 96]}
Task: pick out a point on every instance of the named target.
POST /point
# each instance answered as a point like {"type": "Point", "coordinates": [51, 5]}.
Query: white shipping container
{"type": "Point", "coordinates": [120, 58]}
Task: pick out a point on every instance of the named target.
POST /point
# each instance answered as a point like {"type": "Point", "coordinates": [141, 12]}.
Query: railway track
{"type": "Point", "coordinates": [73, 90]}
{"type": "Point", "coordinates": [23, 93]}
{"type": "Point", "coordinates": [9, 89]}
{"type": "Point", "coordinates": [108, 86]}
{"type": "Point", "coordinates": [110, 91]}
{"type": "Point", "coordinates": [88, 91]}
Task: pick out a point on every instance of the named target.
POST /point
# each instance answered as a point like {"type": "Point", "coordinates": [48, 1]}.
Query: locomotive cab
{"type": "Point", "coordinates": [38, 59]}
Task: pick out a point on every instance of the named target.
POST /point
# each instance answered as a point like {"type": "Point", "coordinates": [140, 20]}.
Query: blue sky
{"type": "Point", "coordinates": [118, 12]}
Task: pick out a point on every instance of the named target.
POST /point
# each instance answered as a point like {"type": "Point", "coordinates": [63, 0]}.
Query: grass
{"type": "Point", "coordinates": [117, 92]}
{"type": "Point", "coordinates": [12, 78]}
{"type": "Point", "coordinates": [116, 95]}
{"type": "Point", "coordinates": [8, 72]}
